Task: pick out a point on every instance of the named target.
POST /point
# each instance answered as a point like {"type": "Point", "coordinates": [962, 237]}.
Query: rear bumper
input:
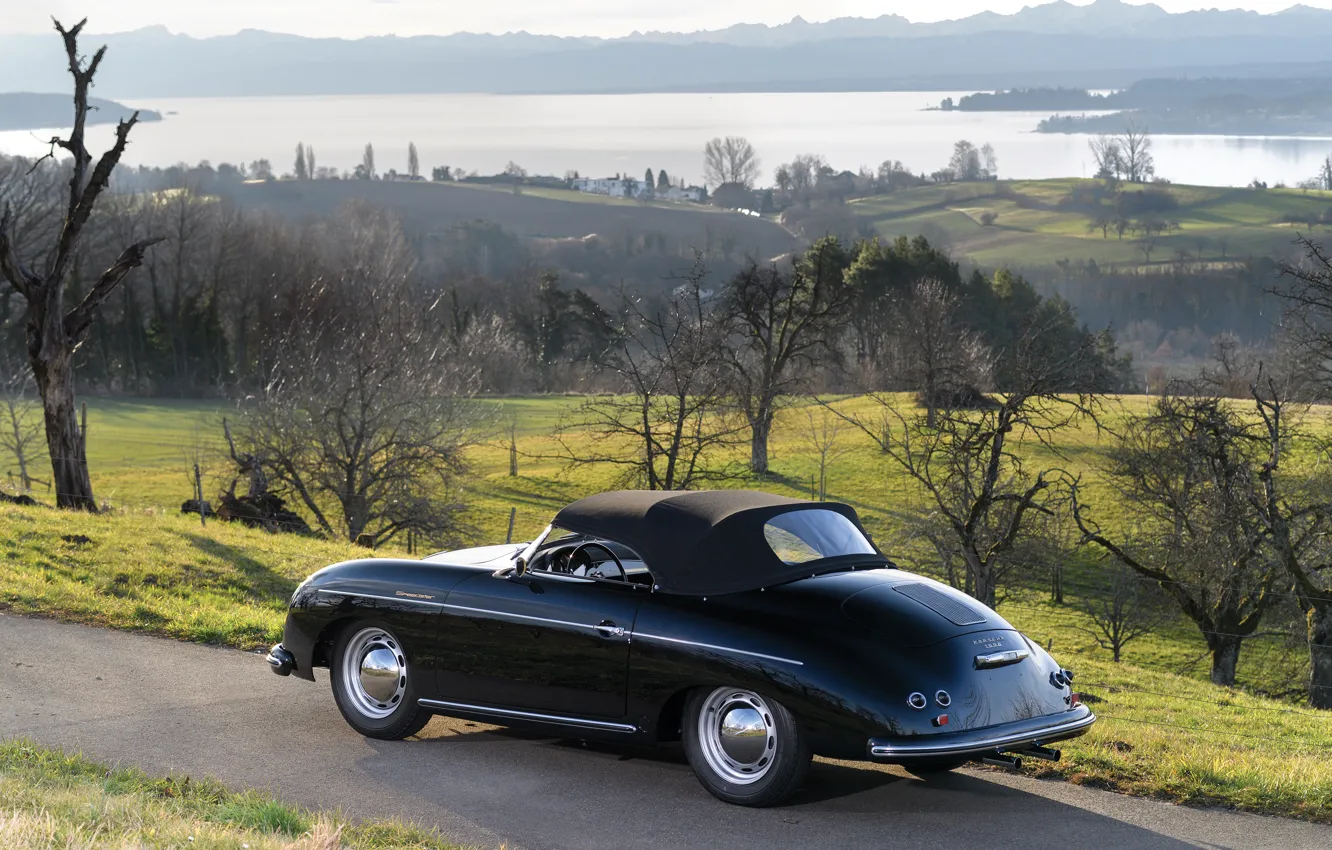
{"type": "Point", "coordinates": [978, 742]}
{"type": "Point", "coordinates": [280, 660]}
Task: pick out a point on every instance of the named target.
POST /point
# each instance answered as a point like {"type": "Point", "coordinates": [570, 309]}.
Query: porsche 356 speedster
{"type": "Point", "coordinates": [754, 630]}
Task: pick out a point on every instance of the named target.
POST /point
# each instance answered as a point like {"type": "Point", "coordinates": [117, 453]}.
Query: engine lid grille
{"type": "Point", "coordinates": [956, 612]}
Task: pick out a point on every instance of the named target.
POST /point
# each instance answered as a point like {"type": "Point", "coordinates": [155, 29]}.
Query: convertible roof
{"type": "Point", "coordinates": [701, 542]}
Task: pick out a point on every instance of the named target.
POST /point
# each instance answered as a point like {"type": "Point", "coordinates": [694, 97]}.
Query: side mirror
{"type": "Point", "coordinates": [519, 568]}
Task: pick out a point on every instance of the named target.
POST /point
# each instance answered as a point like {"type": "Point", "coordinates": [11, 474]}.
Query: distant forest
{"type": "Point", "coordinates": [1211, 106]}
{"type": "Point", "coordinates": [29, 111]}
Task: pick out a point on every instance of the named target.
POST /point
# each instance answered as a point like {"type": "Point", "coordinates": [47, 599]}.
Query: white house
{"type": "Point", "coordinates": [613, 186]}
{"type": "Point", "coordinates": [628, 187]}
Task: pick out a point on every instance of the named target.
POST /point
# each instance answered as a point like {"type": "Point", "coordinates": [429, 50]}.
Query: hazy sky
{"type": "Point", "coordinates": [352, 18]}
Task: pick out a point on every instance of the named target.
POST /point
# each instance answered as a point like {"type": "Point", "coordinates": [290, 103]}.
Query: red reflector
{"type": "Point", "coordinates": [941, 720]}
{"type": "Point", "coordinates": [1075, 700]}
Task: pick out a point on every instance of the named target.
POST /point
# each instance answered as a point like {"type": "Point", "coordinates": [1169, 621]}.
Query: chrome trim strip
{"type": "Point", "coordinates": [647, 636]}
{"type": "Point", "coordinates": [925, 748]}
{"type": "Point", "coordinates": [1001, 659]}
{"type": "Point", "coordinates": [406, 600]}
{"type": "Point", "coordinates": [521, 617]}
{"type": "Point", "coordinates": [555, 719]}
{"type": "Point", "coordinates": [410, 601]}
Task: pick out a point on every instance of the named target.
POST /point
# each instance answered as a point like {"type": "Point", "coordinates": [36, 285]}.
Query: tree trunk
{"type": "Point", "coordinates": [1320, 655]}
{"type": "Point", "coordinates": [69, 456]}
{"type": "Point", "coordinates": [761, 430]}
{"type": "Point", "coordinates": [1225, 658]}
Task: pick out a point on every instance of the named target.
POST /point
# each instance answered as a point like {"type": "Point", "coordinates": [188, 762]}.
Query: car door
{"type": "Point", "coordinates": [543, 642]}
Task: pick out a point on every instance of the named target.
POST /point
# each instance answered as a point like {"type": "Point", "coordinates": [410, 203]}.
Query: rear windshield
{"type": "Point", "coordinates": [798, 537]}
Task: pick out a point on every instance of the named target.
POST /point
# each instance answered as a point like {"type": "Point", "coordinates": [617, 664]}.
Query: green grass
{"type": "Point", "coordinates": [50, 798]}
{"type": "Point", "coordinates": [1166, 731]}
{"type": "Point", "coordinates": [1031, 229]}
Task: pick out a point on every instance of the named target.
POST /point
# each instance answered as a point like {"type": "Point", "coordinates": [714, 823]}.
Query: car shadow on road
{"type": "Point", "coordinates": [558, 792]}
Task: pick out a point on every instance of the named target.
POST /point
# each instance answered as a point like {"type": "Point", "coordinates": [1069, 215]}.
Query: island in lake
{"type": "Point", "coordinates": [1208, 106]}
{"type": "Point", "coordinates": [33, 111]}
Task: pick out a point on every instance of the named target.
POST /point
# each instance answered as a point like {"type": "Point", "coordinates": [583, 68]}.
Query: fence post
{"type": "Point", "coordinates": [513, 514]}
{"type": "Point", "coordinates": [198, 495]}
{"type": "Point", "coordinates": [513, 449]}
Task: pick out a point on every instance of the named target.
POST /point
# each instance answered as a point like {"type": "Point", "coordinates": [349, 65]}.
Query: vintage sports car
{"type": "Point", "coordinates": [756, 630]}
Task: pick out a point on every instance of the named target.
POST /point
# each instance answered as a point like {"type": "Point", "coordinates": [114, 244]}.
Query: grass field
{"type": "Point", "coordinates": [1166, 731]}
{"type": "Point", "coordinates": [1216, 225]}
{"type": "Point", "coordinates": [49, 798]}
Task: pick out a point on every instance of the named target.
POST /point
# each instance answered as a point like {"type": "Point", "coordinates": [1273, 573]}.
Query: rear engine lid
{"type": "Point", "coordinates": [919, 612]}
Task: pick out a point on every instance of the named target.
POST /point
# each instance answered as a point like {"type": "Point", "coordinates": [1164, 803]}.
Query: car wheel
{"type": "Point", "coordinates": [372, 683]}
{"type": "Point", "coordinates": [935, 767]}
{"type": "Point", "coordinates": [744, 749]}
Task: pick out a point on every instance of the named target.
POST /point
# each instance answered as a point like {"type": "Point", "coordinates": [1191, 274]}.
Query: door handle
{"type": "Point", "coordinates": [606, 628]}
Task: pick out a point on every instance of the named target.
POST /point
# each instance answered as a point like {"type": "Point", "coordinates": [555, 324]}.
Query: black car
{"type": "Point", "coordinates": [756, 630]}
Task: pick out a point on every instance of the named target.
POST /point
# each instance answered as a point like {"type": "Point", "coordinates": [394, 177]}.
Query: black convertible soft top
{"type": "Point", "coordinates": [707, 542]}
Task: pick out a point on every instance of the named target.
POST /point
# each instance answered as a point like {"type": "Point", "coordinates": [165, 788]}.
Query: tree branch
{"type": "Point", "coordinates": [80, 318]}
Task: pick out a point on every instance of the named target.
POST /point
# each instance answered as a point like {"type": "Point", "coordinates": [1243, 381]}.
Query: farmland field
{"type": "Point", "coordinates": [1035, 225]}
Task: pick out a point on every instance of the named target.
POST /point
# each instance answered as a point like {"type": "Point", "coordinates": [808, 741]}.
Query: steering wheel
{"type": "Point", "coordinates": [573, 558]}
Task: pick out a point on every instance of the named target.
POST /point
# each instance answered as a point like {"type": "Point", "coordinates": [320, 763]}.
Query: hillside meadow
{"type": "Point", "coordinates": [1036, 225]}
{"type": "Point", "coordinates": [1166, 732]}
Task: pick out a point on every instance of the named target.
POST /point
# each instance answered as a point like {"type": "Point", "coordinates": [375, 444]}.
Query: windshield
{"type": "Point", "coordinates": [798, 537]}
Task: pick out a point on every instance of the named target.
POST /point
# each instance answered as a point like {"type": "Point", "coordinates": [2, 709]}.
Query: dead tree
{"type": "Point", "coordinates": [55, 333]}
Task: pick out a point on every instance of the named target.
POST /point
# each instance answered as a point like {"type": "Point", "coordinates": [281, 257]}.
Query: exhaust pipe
{"type": "Point", "coordinates": [1002, 760]}
{"type": "Point", "coordinates": [1042, 753]}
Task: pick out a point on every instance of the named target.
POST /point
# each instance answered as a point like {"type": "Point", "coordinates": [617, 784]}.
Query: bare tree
{"type": "Point", "coordinates": [310, 164]}
{"type": "Point", "coordinates": [302, 170]}
{"type": "Point", "coordinates": [1187, 474]}
{"type": "Point", "coordinates": [1127, 609]}
{"type": "Point", "coordinates": [778, 321]}
{"type": "Point", "coordinates": [54, 333]}
{"type": "Point", "coordinates": [941, 357]}
{"type": "Point", "coordinates": [980, 488]}
{"type": "Point", "coordinates": [1135, 154]}
{"type": "Point", "coordinates": [1105, 152]}
{"type": "Point", "coordinates": [366, 170]}
{"type": "Point", "coordinates": [367, 417]}
{"type": "Point", "coordinates": [730, 160]}
{"type": "Point", "coordinates": [666, 427]}
{"type": "Point", "coordinates": [821, 431]}
{"type": "Point", "coordinates": [413, 161]}
{"type": "Point", "coordinates": [20, 423]}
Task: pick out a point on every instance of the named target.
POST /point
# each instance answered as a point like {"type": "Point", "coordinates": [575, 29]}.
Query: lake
{"type": "Point", "coordinates": [600, 135]}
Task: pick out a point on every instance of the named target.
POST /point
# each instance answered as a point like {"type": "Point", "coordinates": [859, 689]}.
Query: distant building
{"type": "Point", "coordinates": [617, 187]}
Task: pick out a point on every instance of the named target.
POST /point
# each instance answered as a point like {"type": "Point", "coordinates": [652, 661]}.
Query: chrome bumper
{"type": "Point", "coordinates": [281, 661]}
{"type": "Point", "coordinates": [1008, 736]}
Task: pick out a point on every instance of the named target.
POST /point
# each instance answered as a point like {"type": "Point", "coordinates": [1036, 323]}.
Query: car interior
{"type": "Point", "coordinates": [583, 556]}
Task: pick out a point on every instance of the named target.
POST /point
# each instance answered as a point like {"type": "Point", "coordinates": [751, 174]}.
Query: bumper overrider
{"type": "Point", "coordinates": [280, 660]}
{"type": "Point", "coordinates": [1018, 736]}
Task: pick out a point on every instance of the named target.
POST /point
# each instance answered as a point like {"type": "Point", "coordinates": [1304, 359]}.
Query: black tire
{"type": "Point", "coordinates": [935, 767]}
{"type": "Point", "coordinates": [397, 716]}
{"type": "Point", "coordinates": [782, 767]}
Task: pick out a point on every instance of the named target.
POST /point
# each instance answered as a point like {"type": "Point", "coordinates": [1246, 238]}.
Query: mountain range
{"type": "Point", "coordinates": [1106, 44]}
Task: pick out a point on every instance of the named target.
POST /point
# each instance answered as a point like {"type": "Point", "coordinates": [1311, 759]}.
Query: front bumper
{"type": "Point", "coordinates": [1018, 735]}
{"type": "Point", "coordinates": [281, 661]}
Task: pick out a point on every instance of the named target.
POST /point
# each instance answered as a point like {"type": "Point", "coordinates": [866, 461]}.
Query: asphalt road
{"type": "Point", "coordinates": [168, 706]}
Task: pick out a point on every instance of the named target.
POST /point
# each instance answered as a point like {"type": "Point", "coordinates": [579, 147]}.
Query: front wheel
{"type": "Point", "coordinates": [744, 749]}
{"type": "Point", "coordinates": [372, 683]}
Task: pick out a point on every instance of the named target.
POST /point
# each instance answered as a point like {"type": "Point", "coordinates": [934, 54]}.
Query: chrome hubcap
{"type": "Point", "coordinates": [374, 673]}
{"type": "Point", "coordinates": [737, 735]}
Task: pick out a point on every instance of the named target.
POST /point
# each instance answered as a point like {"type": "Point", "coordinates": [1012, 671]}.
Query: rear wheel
{"type": "Point", "coordinates": [372, 683]}
{"type": "Point", "coordinates": [744, 749]}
